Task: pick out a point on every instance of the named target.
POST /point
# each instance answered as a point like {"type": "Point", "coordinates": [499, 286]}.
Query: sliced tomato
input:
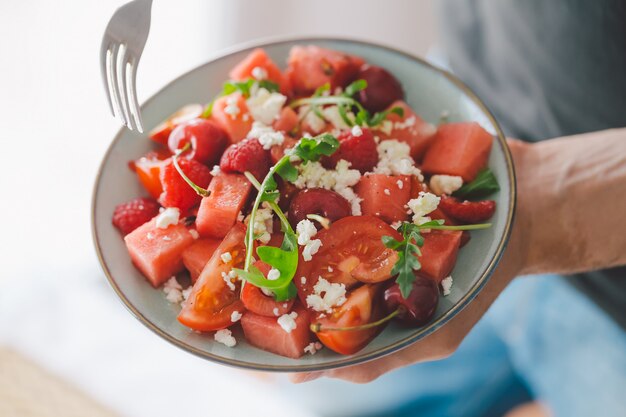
{"type": "Point", "coordinates": [196, 256]}
{"type": "Point", "coordinates": [211, 302]}
{"type": "Point", "coordinates": [161, 133]}
{"type": "Point", "coordinates": [352, 251]}
{"type": "Point", "coordinates": [361, 307]}
{"type": "Point", "coordinates": [254, 300]}
{"type": "Point", "coordinates": [148, 170]}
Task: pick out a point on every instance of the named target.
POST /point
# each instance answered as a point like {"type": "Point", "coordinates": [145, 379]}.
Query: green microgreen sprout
{"type": "Point", "coordinates": [201, 191]}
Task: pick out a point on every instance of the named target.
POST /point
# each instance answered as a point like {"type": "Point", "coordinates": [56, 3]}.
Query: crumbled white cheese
{"type": "Point", "coordinates": [394, 158]}
{"type": "Point", "coordinates": [446, 285]}
{"type": "Point", "coordinates": [226, 257]}
{"type": "Point", "coordinates": [386, 191]}
{"type": "Point", "coordinates": [166, 238]}
{"type": "Point", "coordinates": [273, 275]}
{"type": "Point", "coordinates": [331, 113]}
{"type": "Point", "coordinates": [240, 216]}
{"type": "Point", "coordinates": [288, 321]}
{"type": "Point", "coordinates": [356, 131]}
{"type": "Point", "coordinates": [149, 236]}
{"type": "Point", "coordinates": [228, 279]}
{"type": "Point", "coordinates": [167, 217]}
{"type": "Point", "coordinates": [312, 120]}
{"type": "Point", "coordinates": [326, 295]}
{"type": "Point", "coordinates": [173, 291]}
{"type": "Point", "coordinates": [421, 206]}
{"type": "Point", "coordinates": [303, 280]}
{"type": "Point", "coordinates": [187, 292]}
{"type": "Point", "coordinates": [263, 223]}
{"type": "Point", "coordinates": [264, 106]}
{"type": "Point", "coordinates": [232, 109]}
{"type": "Point", "coordinates": [266, 136]}
{"type": "Point", "coordinates": [310, 249]}
{"type": "Point", "coordinates": [235, 316]}
{"type": "Point", "coordinates": [313, 347]}
{"type": "Point", "coordinates": [330, 268]}
{"type": "Point", "coordinates": [267, 292]}
{"type": "Point", "coordinates": [400, 184]}
{"type": "Point", "coordinates": [225, 337]}
{"type": "Point", "coordinates": [445, 184]}
{"type": "Point", "coordinates": [194, 234]}
{"type": "Point", "coordinates": [275, 311]}
{"type": "Point", "coordinates": [259, 73]}
{"type": "Point", "coordinates": [216, 170]}
{"type": "Point", "coordinates": [305, 230]}
{"type": "Point", "coordinates": [354, 200]}
{"type": "Point", "coordinates": [386, 127]}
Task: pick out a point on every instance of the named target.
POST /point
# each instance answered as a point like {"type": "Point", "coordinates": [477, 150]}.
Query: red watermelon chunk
{"type": "Point", "coordinates": [236, 125]}
{"type": "Point", "coordinates": [459, 149]}
{"type": "Point", "coordinates": [411, 129]}
{"type": "Point", "coordinates": [258, 58]}
{"type": "Point", "coordinates": [383, 197]}
{"type": "Point", "coordinates": [218, 212]}
{"type": "Point", "coordinates": [265, 333]}
{"type": "Point", "coordinates": [287, 120]}
{"type": "Point", "coordinates": [156, 252]}
{"type": "Point", "coordinates": [196, 256]}
{"type": "Point", "coordinates": [310, 67]}
{"type": "Point", "coordinates": [439, 254]}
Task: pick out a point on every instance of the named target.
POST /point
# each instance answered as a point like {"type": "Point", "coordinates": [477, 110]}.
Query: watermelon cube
{"type": "Point", "coordinates": [385, 196]}
{"type": "Point", "coordinates": [156, 252]}
{"type": "Point", "coordinates": [439, 253]}
{"type": "Point", "coordinates": [218, 212]}
{"type": "Point", "coordinates": [196, 256]}
{"type": "Point", "coordinates": [459, 149]}
{"type": "Point", "coordinates": [259, 59]}
{"type": "Point", "coordinates": [411, 129]}
{"type": "Point", "coordinates": [265, 333]}
{"type": "Point", "coordinates": [231, 114]}
{"type": "Point", "coordinates": [287, 120]}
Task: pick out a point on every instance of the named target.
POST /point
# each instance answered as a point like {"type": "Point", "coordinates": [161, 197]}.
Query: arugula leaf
{"type": "Point", "coordinates": [355, 87]}
{"type": "Point", "coordinates": [409, 249]}
{"type": "Point", "coordinates": [312, 149]}
{"type": "Point", "coordinates": [483, 185]}
{"type": "Point", "coordinates": [380, 117]}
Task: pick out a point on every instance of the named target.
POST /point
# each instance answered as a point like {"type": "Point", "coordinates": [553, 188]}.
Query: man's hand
{"type": "Point", "coordinates": [556, 181]}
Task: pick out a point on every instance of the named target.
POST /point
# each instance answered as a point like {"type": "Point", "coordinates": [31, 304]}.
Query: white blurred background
{"type": "Point", "coordinates": [56, 309]}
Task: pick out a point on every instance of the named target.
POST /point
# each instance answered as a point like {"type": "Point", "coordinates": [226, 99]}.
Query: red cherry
{"type": "Point", "coordinates": [207, 140]}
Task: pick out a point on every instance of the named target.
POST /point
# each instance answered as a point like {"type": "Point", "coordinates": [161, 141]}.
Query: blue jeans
{"type": "Point", "coordinates": [542, 339]}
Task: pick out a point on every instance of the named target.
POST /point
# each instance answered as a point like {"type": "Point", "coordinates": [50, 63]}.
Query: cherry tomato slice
{"type": "Point", "coordinates": [352, 251]}
{"type": "Point", "coordinates": [361, 307]}
{"type": "Point", "coordinates": [212, 301]}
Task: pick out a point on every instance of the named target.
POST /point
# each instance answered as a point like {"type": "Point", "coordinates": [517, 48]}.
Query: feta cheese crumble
{"type": "Point", "coordinates": [235, 316]}
{"type": "Point", "coordinates": [326, 295]}
{"type": "Point", "coordinates": [167, 217]}
{"type": "Point", "coordinates": [215, 171]}
{"type": "Point", "coordinates": [386, 191]}
{"type": "Point", "coordinates": [228, 279]}
{"type": "Point", "coordinates": [394, 158]}
{"type": "Point", "coordinates": [303, 280]}
{"type": "Point", "coordinates": [331, 113]}
{"type": "Point", "coordinates": [356, 131]}
{"type": "Point", "coordinates": [266, 136]}
{"type": "Point", "coordinates": [225, 337]}
{"type": "Point", "coordinates": [194, 234]}
{"type": "Point", "coordinates": [310, 249]}
{"type": "Point", "coordinates": [173, 291]}
{"type": "Point", "coordinates": [421, 206]}
{"type": "Point", "coordinates": [288, 321]}
{"type": "Point", "coordinates": [305, 230]}
{"type": "Point", "coordinates": [400, 184]}
{"type": "Point", "coordinates": [313, 347]}
{"type": "Point", "coordinates": [273, 275]}
{"type": "Point", "coordinates": [445, 184]}
{"type": "Point", "coordinates": [275, 311]}
{"type": "Point", "coordinates": [263, 223]}
{"type": "Point", "coordinates": [226, 257]}
{"type": "Point", "coordinates": [259, 73]}
{"type": "Point", "coordinates": [232, 109]}
{"type": "Point", "coordinates": [264, 106]}
{"type": "Point", "coordinates": [312, 120]}
{"type": "Point", "coordinates": [446, 285]}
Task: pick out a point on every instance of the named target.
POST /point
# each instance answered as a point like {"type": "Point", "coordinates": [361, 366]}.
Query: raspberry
{"type": "Point", "coordinates": [360, 151]}
{"type": "Point", "coordinates": [467, 211]}
{"type": "Point", "coordinates": [176, 192]}
{"type": "Point", "coordinates": [247, 155]}
{"type": "Point", "coordinates": [129, 216]}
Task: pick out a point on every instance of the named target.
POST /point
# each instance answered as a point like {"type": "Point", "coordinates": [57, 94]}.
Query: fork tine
{"type": "Point", "coordinates": [122, 59]}
{"type": "Point", "coordinates": [134, 104]}
{"type": "Point", "coordinates": [105, 56]}
{"type": "Point", "coordinates": [114, 85]}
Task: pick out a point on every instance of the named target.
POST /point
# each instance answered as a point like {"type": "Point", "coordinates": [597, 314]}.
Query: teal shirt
{"type": "Point", "coordinates": [546, 68]}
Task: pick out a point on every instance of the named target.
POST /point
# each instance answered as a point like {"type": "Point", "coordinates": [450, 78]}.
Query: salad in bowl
{"type": "Point", "coordinates": [305, 208]}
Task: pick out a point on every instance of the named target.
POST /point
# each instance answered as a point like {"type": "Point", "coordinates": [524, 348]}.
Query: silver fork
{"type": "Point", "coordinates": [122, 46]}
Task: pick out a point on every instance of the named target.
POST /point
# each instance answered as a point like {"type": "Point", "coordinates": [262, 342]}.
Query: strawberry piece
{"type": "Point", "coordinates": [359, 150]}
{"type": "Point", "coordinates": [129, 216]}
{"type": "Point", "coordinates": [247, 155]}
{"type": "Point", "coordinates": [176, 192]}
{"type": "Point", "coordinates": [467, 211]}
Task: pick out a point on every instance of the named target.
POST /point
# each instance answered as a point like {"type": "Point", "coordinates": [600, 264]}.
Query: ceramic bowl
{"type": "Point", "coordinates": [429, 91]}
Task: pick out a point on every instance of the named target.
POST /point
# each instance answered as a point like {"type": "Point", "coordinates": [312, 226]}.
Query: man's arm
{"type": "Point", "coordinates": [571, 217]}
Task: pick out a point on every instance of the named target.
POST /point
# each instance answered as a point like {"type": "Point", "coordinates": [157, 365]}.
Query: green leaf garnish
{"type": "Point", "coordinates": [483, 185]}
{"type": "Point", "coordinates": [199, 190]}
{"type": "Point", "coordinates": [409, 249]}
{"type": "Point", "coordinates": [285, 258]}
{"type": "Point", "coordinates": [244, 87]}
{"type": "Point", "coordinates": [355, 87]}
